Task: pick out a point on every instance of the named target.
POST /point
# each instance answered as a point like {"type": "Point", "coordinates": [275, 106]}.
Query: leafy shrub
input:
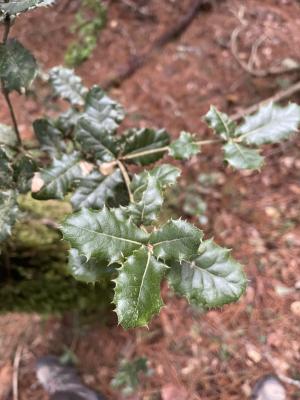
{"type": "Point", "coordinates": [115, 229]}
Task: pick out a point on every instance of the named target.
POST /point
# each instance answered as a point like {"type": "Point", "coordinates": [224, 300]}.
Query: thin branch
{"type": "Point", "coordinates": [16, 366]}
{"type": "Point", "coordinates": [126, 179]}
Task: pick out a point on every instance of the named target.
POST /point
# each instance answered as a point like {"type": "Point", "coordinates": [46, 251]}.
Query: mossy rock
{"type": "Point", "coordinates": [33, 267]}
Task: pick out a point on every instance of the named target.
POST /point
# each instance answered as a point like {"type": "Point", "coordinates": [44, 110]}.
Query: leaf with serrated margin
{"type": "Point", "coordinates": [270, 124]}
{"type": "Point", "coordinates": [242, 157]}
{"type": "Point", "coordinates": [91, 271]}
{"type": "Point", "coordinates": [220, 123]}
{"type": "Point", "coordinates": [16, 7]}
{"type": "Point", "coordinates": [211, 279]}
{"type": "Point", "coordinates": [95, 129]}
{"type": "Point", "coordinates": [147, 202]}
{"type": "Point", "coordinates": [55, 181]}
{"type": "Point", "coordinates": [67, 121]}
{"type": "Point", "coordinates": [165, 174]}
{"type": "Point", "coordinates": [176, 240]}
{"type": "Point", "coordinates": [137, 292]}
{"type": "Point", "coordinates": [18, 67]}
{"type": "Point", "coordinates": [67, 85]}
{"type": "Point", "coordinates": [49, 137]}
{"type": "Point", "coordinates": [139, 140]}
{"type": "Point", "coordinates": [104, 235]}
{"type": "Point", "coordinates": [184, 147]}
{"type": "Point", "coordinates": [96, 190]}
{"type": "Point", "coordinates": [6, 171]}
{"type": "Point", "coordinates": [8, 136]}
{"type": "Point", "coordinates": [8, 212]}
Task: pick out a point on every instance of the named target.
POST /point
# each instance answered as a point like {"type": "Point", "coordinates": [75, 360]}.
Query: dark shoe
{"type": "Point", "coordinates": [62, 381]}
{"type": "Point", "coordinates": [268, 388]}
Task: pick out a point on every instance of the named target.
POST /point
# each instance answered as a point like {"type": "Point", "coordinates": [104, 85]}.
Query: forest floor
{"type": "Point", "coordinates": [193, 355]}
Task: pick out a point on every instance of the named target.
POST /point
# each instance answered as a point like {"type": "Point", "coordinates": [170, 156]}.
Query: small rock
{"type": "Point", "coordinates": [295, 308]}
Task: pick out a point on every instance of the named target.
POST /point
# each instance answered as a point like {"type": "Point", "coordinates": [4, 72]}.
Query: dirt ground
{"type": "Point", "coordinates": [220, 354]}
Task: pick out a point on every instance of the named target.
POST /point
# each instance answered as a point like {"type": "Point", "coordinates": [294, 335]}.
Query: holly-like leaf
{"type": "Point", "coordinates": [6, 171]}
{"type": "Point", "coordinates": [270, 124]}
{"type": "Point", "coordinates": [184, 147]}
{"type": "Point", "coordinates": [176, 240]}
{"type": "Point", "coordinates": [7, 136]}
{"type": "Point", "coordinates": [67, 85]}
{"type": "Point", "coordinates": [49, 137]}
{"type": "Point", "coordinates": [8, 213]}
{"type": "Point", "coordinates": [17, 66]}
{"type": "Point", "coordinates": [16, 7]}
{"type": "Point", "coordinates": [96, 190]}
{"type": "Point", "coordinates": [242, 157]}
{"type": "Point", "coordinates": [104, 235]}
{"type": "Point", "coordinates": [55, 181]}
{"type": "Point", "coordinates": [137, 292]}
{"type": "Point", "coordinates": [67, 121]}
{"type": "Point", "coordinates": [211, 279]}
{"type": "Point", "coordinates": [140, 140]}
{"type": "Point", "coordinates": [24, 169]}
{"type": "Point", "coordinates": [165, 174]}
{"type": "Point", "coordinates": [91, 271]}
{"type": "Point", "coordinates": [220, 123]}
{"type": "Point", "coordinates": [99, 122]}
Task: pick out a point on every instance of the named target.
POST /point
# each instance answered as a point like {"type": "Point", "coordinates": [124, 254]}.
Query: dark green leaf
{"type": "Point", "coordinates": [24, 169]}
{"type": "Point", "coordinates": [127, 376]}
{"type": "Point", "coordinates": [176, 240]}
{"type": "Point", "coordinates": [140, 140]}
{"type": "Point", "coordinates": [67, 121]}
{"type": "Point", "coordinates": [8, 212]}
{"type": "Point", "coordinates": [96, 190]}
{"type": "Point", "coordinates": [17, 66]}
{"type": "Point", "coordinates": [270, 124]}
{"type": "Point", "coordinates": [55, 181]}
{"type": "Point", "coordinates": [104, 235]}
{"type": "Point", "coordinates": [165, 174]}
{"type": "Point", "coordinates": [184, 147]}
{"type": "Point", "coordinates": [137, 292]}
{"type": "Point", "coordinates": [49, 137]}
{"type": "Point", "coordinates": [90, 271]}
{"type": "Point", "coordinates": [242, 157]}
{"type": "Point", "coordinates": [14, 7]}
{"type": "Point", "coordinates": [211, 279]}
{"type": "Point", "coordinates": [220, 123]}
{"type": "Point", "coordinates": [6, 171]}
{"type": "Point", "coordinates": [7, 136]}
{"type": "Point", "coordinates": [67, 85]}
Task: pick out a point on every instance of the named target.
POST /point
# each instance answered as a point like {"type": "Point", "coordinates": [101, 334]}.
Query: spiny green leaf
{"type": "Point", "coordinates": [242, 157]}
{"type": "Point", "coordinates": [220, 123]}
{"type": "Point", "coordinates": [176, 240]}
{"type": "Point", "coordinates": [55, 181]}
{"type": "Point", "coordinates": [67, 85]}
{"type": "Point", "coordinates": [211, 279]}
{"type": "Point", "coordinates": [137, 292]}
{"type": "Point", "coordinates": [165, 174]}
{"type": "Point", "coordinates": [96, 190]}
{"type": "Point", "coordinates": [91, 271]}
{"type": "Point", "coordinates": [184, 147]}
{"type": "Point", "coordinates": [24, 169]}
{"type": "Point", "coordinates": [8, 212]}
{"type": "Point", "coordinates": [97, 125]}
{"type": "Point", "coordinates": [6, 171]}
{"type": "Point", "coordinates": [270, 124]}
{"type": "Point", "coordinates": [17, 66]}
{"type": "Point", "coordinates": [49, 137]}
{"type": "Point", "coordinates": [147, 202]}
{"type": "Point", "coordinates": [139, 140]}
{"type": "Point", "coordinates": [105, 235]}
{"type": "Point", "coordinates": [16, 7]}
{"type": "Point", "coordinates": [67, 121]}
{"type": "Point", "coordinates": [7, 136]}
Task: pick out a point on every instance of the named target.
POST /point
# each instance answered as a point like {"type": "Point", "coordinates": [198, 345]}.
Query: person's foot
{"type": "Point", "coordinates": [268, 388]}
{"type": "Point", "coordinates": [62, 382]}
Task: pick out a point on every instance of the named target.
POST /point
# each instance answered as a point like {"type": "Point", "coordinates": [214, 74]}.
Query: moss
{"type": "Point", "coordinates": [33, 275]}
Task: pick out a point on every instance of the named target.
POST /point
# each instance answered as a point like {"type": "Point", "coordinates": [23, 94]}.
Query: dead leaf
{"type": "Point", "coordinates": [295, 308]}
{"type": "Point", "coordinates": [85, 167]}
{"type": "Point", "coordinates": [37, 183]}
{"type": "Point", "coordinates": [253, 353]}
{"type": "Point", "coordinates": [173, 392]}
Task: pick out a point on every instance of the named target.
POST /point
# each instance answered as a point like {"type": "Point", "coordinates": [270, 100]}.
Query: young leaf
{"type": "Point", "coordinates": [88, 271]}
{"type": "Point", "coordinates": [211, 279]}
{"type": "Point", "coordinates": [6, 171]}
{"type": "Point", "coordinates": [67, 85]}
{"type": "Point", "coordinates": [270, 124]}
{"type": "Point", "coordinates": [242, 157]}
{"type": "Point", "coordinates": [165, 174]}
{"type": "Point", "coordinates": [104, 235]}
{"type": "Point", "coordinates": [15, 7]}
{"type": "Point", "coordinates": [220, 123]}
{"type": "Point", "coordinates": [8, 212]}
{"type": "Point", "coordinates": [137, 292]}
{"type": "Point", "coordinates": [147, 202]}
{"type": "Point", "coordinates": [176, 240]}
{"type": "Point", "coordinates": [184, 147]}
{"type": "Point", "coordinates": [7, 136]}
{"type": "Point", "coordinates": [49, 137]}
{"type": "Point", "coordinates": [96, 190]}
{"type": "Point", "coordinates": [97, 125]}
{"type": "Point", "coordinates": [140, 140]}
{"type": "Point", "coordinates": [17, 66]}
{"type": "Point", "coordinates": [55, 181]}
